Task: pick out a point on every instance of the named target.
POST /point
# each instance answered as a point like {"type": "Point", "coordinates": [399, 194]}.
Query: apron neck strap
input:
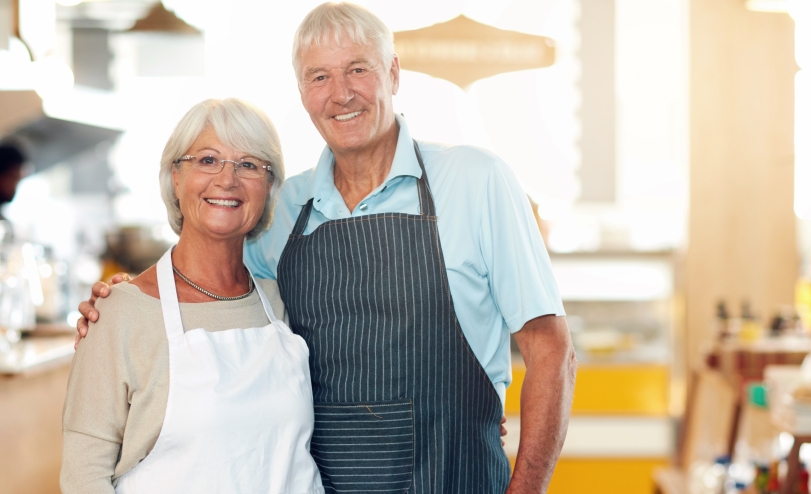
{"type": "Point", "coordinates": [426, 199]}
{"type": "Point", "coordinates": [265, 302]}
{"type": "Point", "coordinates": [303, 218]}
{"type": "Point", "coordinates": [427, 207]}
{"type": "Point", "coordinates": [167, 291]}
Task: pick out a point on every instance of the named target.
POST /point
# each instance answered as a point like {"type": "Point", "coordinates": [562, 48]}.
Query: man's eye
{"type": "Point", "coordinates": [320, 78]}
{"type": "Point", "coordinates": [358, 70]}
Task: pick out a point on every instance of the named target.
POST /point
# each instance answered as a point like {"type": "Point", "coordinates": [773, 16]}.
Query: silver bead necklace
{"type": "Point", "coordinates": [213, 295]}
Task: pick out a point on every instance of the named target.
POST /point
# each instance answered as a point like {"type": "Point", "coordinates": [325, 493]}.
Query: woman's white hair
{"type": "Point", "coordinates": [332, 21]}
{"type": "Point", "coordinates": [239, 125]}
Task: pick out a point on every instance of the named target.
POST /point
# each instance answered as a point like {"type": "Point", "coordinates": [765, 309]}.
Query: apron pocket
{"type": "Point", "coordinates": [364, 447]}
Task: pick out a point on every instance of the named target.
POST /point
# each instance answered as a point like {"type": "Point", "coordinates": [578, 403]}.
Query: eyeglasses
{"type": "Point", "coordinates": [247, 168]}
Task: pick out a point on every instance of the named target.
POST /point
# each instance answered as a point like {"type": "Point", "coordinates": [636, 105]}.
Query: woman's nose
{"type": "Point", "coordinates": [227, 176]}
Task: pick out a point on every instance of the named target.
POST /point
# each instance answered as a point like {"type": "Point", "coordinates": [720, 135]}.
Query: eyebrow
{"type": "Point", "coordinates": [314, 70]}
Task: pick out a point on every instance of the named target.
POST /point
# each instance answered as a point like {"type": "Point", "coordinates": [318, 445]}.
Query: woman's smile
{"type": "Point", "coordinates": [226, 205]}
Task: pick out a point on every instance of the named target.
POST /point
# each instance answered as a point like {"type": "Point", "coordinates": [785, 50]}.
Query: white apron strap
{"type": "Point", "coordinates": [167, 291]}
{"type": "Point", "coordinates": [264, 298]}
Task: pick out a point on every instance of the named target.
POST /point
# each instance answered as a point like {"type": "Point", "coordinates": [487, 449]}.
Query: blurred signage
{"type": "Point", "coordinates": [463, 51]}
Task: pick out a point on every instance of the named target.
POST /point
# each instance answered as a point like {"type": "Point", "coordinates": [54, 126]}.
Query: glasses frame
{"type": "Point", "coordinates": [188, 157]}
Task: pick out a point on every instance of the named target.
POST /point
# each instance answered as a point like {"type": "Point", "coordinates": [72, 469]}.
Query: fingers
{"type": "Point", "coordinates": [503, 428]}
{"type": "Point", "coordinates": [82, 326]}
{"type": "Point", "coordinates": [119, 277]}
{"type": "Point", "coordinates": [79, 338]}
{"type": "Point", "coordinates": [88, 312]}
{"type": "Point", "coordinates": [100, 289]}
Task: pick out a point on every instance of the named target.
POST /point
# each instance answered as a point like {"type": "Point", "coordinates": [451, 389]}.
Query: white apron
{"type": "Point", "coordinates": [240, 412]}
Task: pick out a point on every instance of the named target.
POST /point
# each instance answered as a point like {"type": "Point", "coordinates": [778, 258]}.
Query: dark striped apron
{"type": "Point", "coordinates": [401, 402]}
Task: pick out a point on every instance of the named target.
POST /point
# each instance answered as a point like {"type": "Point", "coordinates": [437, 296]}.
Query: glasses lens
{"type": "Point", "coordinates": [207, 164]}
{"type": "Point", "coordinates": [250, 168]}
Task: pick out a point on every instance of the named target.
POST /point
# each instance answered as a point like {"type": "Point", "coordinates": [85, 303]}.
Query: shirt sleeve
{"type": "Point", "coordinates": [518, 266]}
{"type": "Point", "coordinates": [96, 408]}
{"type": "Point", "coordinates": [88, 464]}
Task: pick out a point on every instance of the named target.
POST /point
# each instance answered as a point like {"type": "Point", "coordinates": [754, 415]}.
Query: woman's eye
{"type": "Point", "coordinates": [248, 165]}
{"type": "Point", "coordinates": [208, 161]}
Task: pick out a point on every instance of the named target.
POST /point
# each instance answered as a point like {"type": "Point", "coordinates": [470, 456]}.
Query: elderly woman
{"type": "Point", "coordinates": [190, 382]}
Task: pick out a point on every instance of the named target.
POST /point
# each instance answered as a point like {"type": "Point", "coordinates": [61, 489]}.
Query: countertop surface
{"type": "Point", "coordinates": [46, 347]}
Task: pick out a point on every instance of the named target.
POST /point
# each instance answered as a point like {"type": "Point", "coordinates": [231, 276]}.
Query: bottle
{"type": "Point", "coordinates": [715, 477]}
{"type": "Point", "coordinates": [773, 484]}
{"type": "Point", "coordinates": [750, 328]}
{"type": "Point", "coordinates": [761, 478]}
{"type": "Point", "coordinates": [722, 321]}
{"type": "Point", "coordinates": [802, 481]}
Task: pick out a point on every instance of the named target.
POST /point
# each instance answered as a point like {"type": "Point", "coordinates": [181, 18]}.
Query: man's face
{"type": "Point", "coordinates": [348, 91]}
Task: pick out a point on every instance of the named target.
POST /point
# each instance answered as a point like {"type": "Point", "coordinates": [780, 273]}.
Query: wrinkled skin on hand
{"type": "Point", "coordinates": [88, 307]}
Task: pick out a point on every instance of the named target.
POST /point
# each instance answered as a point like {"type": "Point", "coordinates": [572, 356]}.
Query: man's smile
{"type": "Point", "coordinates": [347, 116]}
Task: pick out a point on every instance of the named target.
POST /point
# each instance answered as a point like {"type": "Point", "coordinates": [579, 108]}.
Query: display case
{"type": "Point", "coordinates": [622, 313]}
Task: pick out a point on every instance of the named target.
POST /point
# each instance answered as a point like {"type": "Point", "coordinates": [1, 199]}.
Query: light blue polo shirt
{"type": "Point", "coordinates": [498, 268]}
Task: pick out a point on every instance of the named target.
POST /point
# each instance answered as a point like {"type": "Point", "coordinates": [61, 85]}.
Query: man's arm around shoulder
{"type": "Point", "coordinates": [546, 401]}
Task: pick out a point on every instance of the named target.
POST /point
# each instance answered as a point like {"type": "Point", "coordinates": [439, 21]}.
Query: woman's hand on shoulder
{"type": "Point", "coordinates": [88, 307]}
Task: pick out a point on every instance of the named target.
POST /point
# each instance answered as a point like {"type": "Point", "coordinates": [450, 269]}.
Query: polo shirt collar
{"type": "Point", "coordinates": [322, 183]}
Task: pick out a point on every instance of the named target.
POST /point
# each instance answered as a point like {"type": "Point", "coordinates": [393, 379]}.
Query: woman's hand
{"type": "Point", "coordinates": [88, 307]}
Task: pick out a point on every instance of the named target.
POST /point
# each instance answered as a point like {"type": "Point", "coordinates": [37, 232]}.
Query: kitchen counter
{"type": "Point", "coordinates": [43, 349]}
{"type": "Point", "coordinates": [33, 380]}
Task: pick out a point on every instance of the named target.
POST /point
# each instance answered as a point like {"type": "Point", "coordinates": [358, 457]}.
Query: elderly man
{"type": "Point", "coordinates": [405, 266]}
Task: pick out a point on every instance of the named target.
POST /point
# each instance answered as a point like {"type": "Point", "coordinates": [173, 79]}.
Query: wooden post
{"type": "Point", "coordinates": [741, 241]}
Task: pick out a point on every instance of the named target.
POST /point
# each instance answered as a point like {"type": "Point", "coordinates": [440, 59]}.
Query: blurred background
{"type": "Point", "coordinates": [665, 147]}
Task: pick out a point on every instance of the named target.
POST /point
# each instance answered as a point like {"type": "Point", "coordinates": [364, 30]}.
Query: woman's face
{"type": "Point", "coordinates": [219, 205]}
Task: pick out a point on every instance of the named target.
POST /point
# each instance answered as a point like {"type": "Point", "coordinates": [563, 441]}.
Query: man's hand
{"type": "Point", "coordinates": [546, 401]}
{"type": "Point", "coordinates": [88, 307]}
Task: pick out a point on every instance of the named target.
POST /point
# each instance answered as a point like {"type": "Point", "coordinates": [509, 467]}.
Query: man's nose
{"type": "Point", "coordinates": [341, 91]}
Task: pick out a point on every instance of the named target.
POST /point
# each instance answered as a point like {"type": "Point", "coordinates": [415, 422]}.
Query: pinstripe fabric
{"type": "Point", "coordinates": [401, 402]}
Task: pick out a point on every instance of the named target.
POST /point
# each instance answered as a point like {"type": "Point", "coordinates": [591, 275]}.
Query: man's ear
{"type": "Point", "coordinates": [395, 74]}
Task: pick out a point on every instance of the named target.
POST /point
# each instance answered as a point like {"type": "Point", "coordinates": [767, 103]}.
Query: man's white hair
{"type": "Point", "coordinates": [239, 125]}
{"type": "Point", "coordinates": [332, 21]}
